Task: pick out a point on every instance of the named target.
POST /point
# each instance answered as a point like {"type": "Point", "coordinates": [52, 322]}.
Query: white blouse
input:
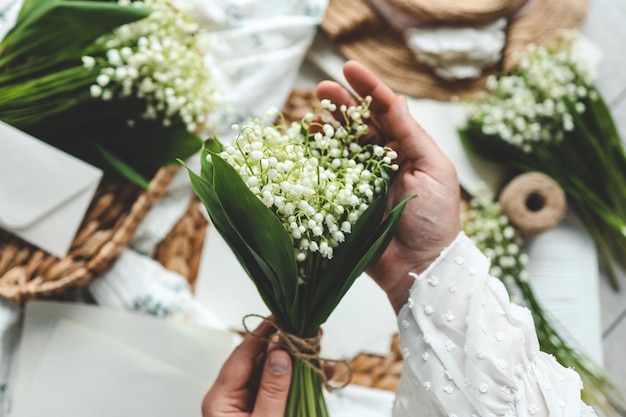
{"type": "Point", "coordinates": [469, 352]}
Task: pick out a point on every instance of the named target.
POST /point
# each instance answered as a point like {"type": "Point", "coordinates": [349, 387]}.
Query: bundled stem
{"type": "Point", "coordinates": [306, 397]}
{"type": "Point", "coordinates": [303, 209]}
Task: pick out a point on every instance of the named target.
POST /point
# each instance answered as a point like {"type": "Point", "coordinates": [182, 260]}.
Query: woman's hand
{"type": "Point", "coordinates": [253, 382]}
{"type": "Point", "coordinates": [430, 222]}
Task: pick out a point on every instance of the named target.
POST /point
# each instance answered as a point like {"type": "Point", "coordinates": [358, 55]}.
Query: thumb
{"type": "Point", "coordinates": [272, 395]}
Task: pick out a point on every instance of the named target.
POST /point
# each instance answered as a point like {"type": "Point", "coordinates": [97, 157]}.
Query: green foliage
{"type": "Point", "coordinates": [45, 91]}
{"type": "Point", "coordinates": [300, 294]}
{"type": "Point", "coordinates": [265, 249]}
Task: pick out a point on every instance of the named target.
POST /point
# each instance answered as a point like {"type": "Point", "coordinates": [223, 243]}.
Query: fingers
{"type": "Point", "coordinates": [365, 83]}
{"type": "Point", "coordinates": [335, 93]}
{"type": "Point", "coordinates": [414, 143]}
{"type": "Point", "coordinates": [392, 122]}
{"type": "Point", "coordinates": [273, 391]}
{"type": "Point", "coordinates": [392, 115]}
{"type": "Point", "coordinates": [239, 367]}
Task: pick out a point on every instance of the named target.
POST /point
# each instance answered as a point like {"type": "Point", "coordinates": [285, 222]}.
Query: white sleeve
{"type": "Point", "coordinates": [469, 352]}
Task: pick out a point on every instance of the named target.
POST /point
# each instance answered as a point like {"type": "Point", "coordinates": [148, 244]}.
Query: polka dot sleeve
{"type": "Point", "coordinates": [469, 352]}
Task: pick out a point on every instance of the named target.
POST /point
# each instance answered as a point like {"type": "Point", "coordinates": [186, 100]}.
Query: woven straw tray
{"type": "Point", "coordinates": [115, 212]}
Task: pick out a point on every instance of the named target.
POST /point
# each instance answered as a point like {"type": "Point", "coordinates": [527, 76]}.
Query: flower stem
{"type": "Point", "coordinates": [306, 396]}
{"type": "Point", "coordinates": [37, 99]}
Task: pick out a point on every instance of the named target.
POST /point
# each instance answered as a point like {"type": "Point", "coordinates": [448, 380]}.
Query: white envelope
{"type": "Point", "coordinates": [87, 373]}
{"type": "Point", "coordinates": [181, 356]}
{"type": "Point", "coordinates": [44, 192]}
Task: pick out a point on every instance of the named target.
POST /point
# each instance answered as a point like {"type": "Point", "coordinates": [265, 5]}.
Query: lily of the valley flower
{"type": "Point", "coordinates": [315, 175]}
{"type": "Point", "coordinates": [536, 103]}
{"type": "Point", "coordinates": [160, 60]}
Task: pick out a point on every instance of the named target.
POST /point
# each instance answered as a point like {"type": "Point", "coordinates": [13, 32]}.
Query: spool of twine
{"type": "Point", "coordinates": [534, 202]}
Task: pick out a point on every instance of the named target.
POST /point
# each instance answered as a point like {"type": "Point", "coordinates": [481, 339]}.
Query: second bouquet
{"type": "Point", "coordinates": [302, 206]}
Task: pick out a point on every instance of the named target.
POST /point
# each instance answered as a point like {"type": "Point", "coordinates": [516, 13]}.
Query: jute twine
{"type": "Point", "coordinates": [307, 350]}
{"type": "Point", "coordinates": [534, 202]}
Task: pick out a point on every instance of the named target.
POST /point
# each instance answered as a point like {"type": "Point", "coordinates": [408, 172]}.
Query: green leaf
{"type": "Point", "coordinates": [145, 147]}
{"type": "Point", "coordinates": [57, 26]}
{"type": "Point", "coordinates": [491, 148]}
{"type": "Point", "coordinates": [259, 227]}
{"type": "Point", "coordinates": [123, 168]}
{"type": "Point", "coordinates": [354, 258]}
{"type": "Point", "coordinates": [149, 144]}
{"type": "Point", "coordinates": [211, 145]}
{"type": "Point", "coordinates": [347, 254]}
{"type": "Point", "coordinates": [260, 273]}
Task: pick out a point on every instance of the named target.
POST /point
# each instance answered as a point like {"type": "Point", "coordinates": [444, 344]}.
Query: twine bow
{"type": "Point", "coordinates": [306, 350]}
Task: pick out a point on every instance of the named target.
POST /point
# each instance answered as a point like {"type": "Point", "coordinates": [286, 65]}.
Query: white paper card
{"type": "Point", "coordinates": [44, 192]}
{"type": "Point", "coordinates": [86, 373]}
{"type": "Point", "coordinates": [564, 273]}
{"type": "Point", "coordinates": [196, 351]}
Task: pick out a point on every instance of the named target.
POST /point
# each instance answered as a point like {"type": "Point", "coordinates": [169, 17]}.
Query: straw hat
{"type": "Point", "coordinates": [457, 11]}
{"type": "Point", "coordinates": [361, 34]}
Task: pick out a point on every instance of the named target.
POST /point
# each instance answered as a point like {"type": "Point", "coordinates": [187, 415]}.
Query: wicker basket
{"type": "Point", "coordinates": [181, 250]}
{"type": "Point", "coordinates": [115, 212]}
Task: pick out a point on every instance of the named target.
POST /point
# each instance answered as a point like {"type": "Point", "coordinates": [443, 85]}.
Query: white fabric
{"type": "Point", "coordinates": [258, 49]}
{"type": "Point", "coordinates": [138, 282]}
{"type": "Point", "coordinates": [166, 212]}
{"type": "Point", "coordinates": [469, 352]}
{"type": "Point", "coordinates": [453, 52]}
{"type": "Point", "coordinates": [458, 52]}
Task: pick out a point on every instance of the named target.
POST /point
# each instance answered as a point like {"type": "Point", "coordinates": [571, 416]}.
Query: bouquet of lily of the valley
{"type": "Point", "coordinates": [486, 224]}
{"type": "Point", "coordinates": [302, 208]}
{"type": "Point", "coordinates": [122, 85]}
{"type": "Point", "coordinates": [547, 116]}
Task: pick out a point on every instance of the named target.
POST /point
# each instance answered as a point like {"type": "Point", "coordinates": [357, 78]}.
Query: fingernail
{"type": "Point", "coordinates": [278, 363]}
